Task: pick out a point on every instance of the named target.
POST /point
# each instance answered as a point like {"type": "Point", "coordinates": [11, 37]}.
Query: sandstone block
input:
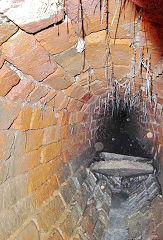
{"type": "Point", "coordinates": [84, 77]}
{"type": "Point", "coordinates": [50, 95]}
{"type": "Point", "coordinates": [59, 80]}
{"type": "Point", "coordinates": [13, 218]}
{"type": "Point", "coordinates": [57, 39]}
{"type": "Point", "coordinates": [72, 61]}
{"type": "Point", "coordinates": [121, 54]}
{"type": "Point", "coordinates": [30, 160]}
{"type": "Point", "coordinates": [65, 131]}
{"type": "Point", "coordinates": [9, 112]}
{"type": "Point", "coordinates": [45, 191]}
{"type": "Point", "coordinates": [50, 151]}
{"type": "Point", "coordinates": [6, 142]}
{"type": "Point", "coordinates": [61, 101]}
{"type": "Point", "coordinates": [75, 91]}
{"type": "Point", "coordinates": [14, 189]}
{"type": "Point", "coordinates": [48, 117]}
{"type": "Point", "coordinates": [51, 134]}
{"type": "Point", "coordinates": [23, 46]}
{"type": "Point", "coordinates": [37, 94]}
{"type": "Point", "coordinates": [34, 139]}
{"type": "Point", "coordinates": [23, 120]}
{"type": "Point", "coordinates": [50, 213]}
{"type": "Point", "coordinates": [30, 231]}
{"type": "Point", "coordinates": [55, 235]}
{"type": "Point", "coordinates": [91, 15]}
{"type": "Point", "coordinates": [40, 175]}
{"type": "Point", "coordinates": [7, 29]}
{"type": "Point", "coordinates": [35, 118]}
{"type": "Point", "coordinates": [21, 91]}
{"type": "Point", "coordinates": [8, 79]}
{"type": "Point", "coordinates": [96, 49]}
{"type": "Point", "coordinates": [33, 16]}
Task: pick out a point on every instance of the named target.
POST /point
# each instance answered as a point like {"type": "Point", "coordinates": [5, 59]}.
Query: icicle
{"type": "Point", "coordinates": [105, 106]}
{"type": "Point", "coordinates": [99, 104]}
{"type": "Point", "coordinates": [155, 104]}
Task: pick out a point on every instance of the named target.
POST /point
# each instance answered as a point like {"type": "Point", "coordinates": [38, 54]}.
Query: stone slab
{"type": "Point", "coordinates": [113, 156]}
{"type": "Point", "coordinates": [124, 168]}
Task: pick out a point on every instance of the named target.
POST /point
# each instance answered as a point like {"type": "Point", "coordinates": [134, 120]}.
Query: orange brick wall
{"type": "Point", "coordinates": [49, 114]}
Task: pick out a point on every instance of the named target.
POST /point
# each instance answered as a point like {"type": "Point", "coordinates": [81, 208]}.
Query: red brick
{"type": "Point", "coordinates": [8, 79]}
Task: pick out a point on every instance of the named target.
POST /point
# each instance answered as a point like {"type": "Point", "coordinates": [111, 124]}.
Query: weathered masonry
{"type": "Point", "coordinates": [81, 127]}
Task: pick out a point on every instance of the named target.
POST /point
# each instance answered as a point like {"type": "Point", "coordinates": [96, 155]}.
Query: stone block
{"type": "Point", "coordinates": [83, 78]}
{"type": "Point", "coordinates": [9, 112]}
{"type": "Point", "coordinates": [40, 175]}
{"type": "Point", "coordinates": [57, 39]}
{"type": "Point", "coordinates": [70, 223]}
{"type": "Point", "coordinates": [71, 61]}
{"type": "Point", "coordinates": [96, 58]}
{"type": "Point", "coordinates": [35, 118]}
{"type": "Point", "coordinates": [48, 98]}
{"type": "Point", "coordinates": [74, 105]}
{"type": "Point", "coordinates": [23, 120]}
{"type": "Point", "coordinates": [30, 160]}
{"type": "Point", "coordinates": [13, 190]}
{"type": "Point", "coordinates": [55, 235]}
{"type": "Point", "coordinates": [64, 174]}
{"type": "Point", "coordinates": [23, 46]}
{"type": "Point", "coordinates": [59, 79]}
{"type": "Point", "coordinates": [75, 91]}
{"type": "Point", "coordinates": [50, 151]}
{"type": "Point", "coordinates": [8, 79]}
{"type": "Point", "coordinates": [87, 226]}
{"type": "Point", "coordinates": [21, 91]}
{"type": "Point", "coordinates": [68, 191]}
{"type": "Point", "coordinates": [65, 131]}
{"type": "Point", "coordinates": [34, 139]}
{"type": "Point", "coordinates": [50, 213]}
{"type": "Point", "coordinates": [45, 191]}
{"type": "Point", "coordinates": [51, 134]}
{"type": "Point", "coordinates": [16, 216]}
{"type": "Point", "coordinates": [99, 229]}
{"type": "Point", "coordinates": [61, 101]}
{"type": "Point", "coordinates": [48, 117]}
{"type": "Point", "coordinates": [30, 231]}
{"type": "Point", "coordinates": [91, 14]}
{"type": "Point", "coordinates": [122, 53]}
{"type": "Point", "coordinates": [37, 94]}
{"type": "Point", "coordinates": [7, 29]}
{"type": "Point", "coordinates": [6, 142]}
{"type": "Point", "coordinates": [39, 15]}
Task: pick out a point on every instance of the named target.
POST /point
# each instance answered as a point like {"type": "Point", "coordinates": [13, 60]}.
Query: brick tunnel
{"type": "Point", "coordinates": [80, 79]}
